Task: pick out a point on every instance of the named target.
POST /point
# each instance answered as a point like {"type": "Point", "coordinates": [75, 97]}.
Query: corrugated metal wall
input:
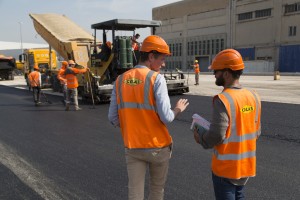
{"type": "Point", "coordinates": [247, 53]}
{"type": "Point", "coordinates": [289, 58]}
{"type": "Point", "coordinates": [259, 66]}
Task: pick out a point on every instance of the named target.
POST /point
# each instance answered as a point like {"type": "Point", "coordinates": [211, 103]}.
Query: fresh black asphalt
{"type": "Point", "coordinates": [48, 153]}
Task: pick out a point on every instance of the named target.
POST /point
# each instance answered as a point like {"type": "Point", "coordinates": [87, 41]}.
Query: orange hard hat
{"type": "Point", "coordinates": [155, 43]}
{"type": "Point", "coordinates": [36, 67]}
{"type": "Point", "coordinates": [228, 58]}
{"type": "Point", "coordinates": [64, 63]}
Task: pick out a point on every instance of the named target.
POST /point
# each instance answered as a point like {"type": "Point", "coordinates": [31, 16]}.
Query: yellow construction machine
{"type": "Point", "coordinates": [106, 59]}
{"type": "Point", "coordinates": [46, 61]}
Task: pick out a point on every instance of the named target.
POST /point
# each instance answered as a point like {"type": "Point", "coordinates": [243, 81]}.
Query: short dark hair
{"type": "Point", "coordinates": [235, 74]}
{"type": "Point", "coordinates": [144, 55]}
{"type": "Point", "coordinates": [137, 35]}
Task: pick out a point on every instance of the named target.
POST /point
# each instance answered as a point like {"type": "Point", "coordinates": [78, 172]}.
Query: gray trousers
{"type": "Point", "coordinates": [72, 93]}
{"type": "Point", "coordinates": [197, 78]}
{"type": "Point", "coordinates": [137, 163]}
{"type": "Point", "coordinates": [64, 90]}
{"type": "Point", "coordinates": [36, 91]}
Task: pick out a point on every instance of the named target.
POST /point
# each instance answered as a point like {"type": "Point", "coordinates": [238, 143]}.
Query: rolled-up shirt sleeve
{"type": "Point", "coordinates": [162, 99]}
{"type": "Point", "coordinates": [113, 116]}
{"type": "Point", "coordinates": [218, 127]}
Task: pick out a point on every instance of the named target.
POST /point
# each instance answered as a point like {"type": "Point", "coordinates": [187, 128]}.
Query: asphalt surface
{"type": "Point", "coordinates": [48, 153]}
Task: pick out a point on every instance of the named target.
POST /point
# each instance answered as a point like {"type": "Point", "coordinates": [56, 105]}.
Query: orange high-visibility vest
{"type": "Point", "coordinates": [34, 79]}
{"type": "Point", "coordinates": [134, 45]}
{"type": "Point", "coordinates": [235, 158]}
{"type": "Point", "coordinates": [70, 74]}
{"type": "Point", "coordinates": [196, 68]}
{"type": "Point", "coordinates": [140, 124]}
{"type": "Point", "coordinates": [61, 75]}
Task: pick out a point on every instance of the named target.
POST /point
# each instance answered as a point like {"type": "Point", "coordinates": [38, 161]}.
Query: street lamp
{"type": "Point", "coordinates": [21, 36]}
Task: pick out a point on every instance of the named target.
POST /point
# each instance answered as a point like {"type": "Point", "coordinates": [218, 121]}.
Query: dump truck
{"type": "Point", "coordinates": [46, 61]}
{"type": "Point", "coordinates": [106, 58]}
{"type": "Point", "coordinates": [7, 67]}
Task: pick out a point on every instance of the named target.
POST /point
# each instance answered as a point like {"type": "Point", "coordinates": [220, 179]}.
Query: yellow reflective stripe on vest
{"type": "Point", "coordinates": [144, 105]}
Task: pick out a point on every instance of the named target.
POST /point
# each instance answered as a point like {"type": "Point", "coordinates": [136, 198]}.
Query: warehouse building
{"type": "Point", "coordinates": [14, 49]}
{"type": "Point", "coordinates": [263, 31]}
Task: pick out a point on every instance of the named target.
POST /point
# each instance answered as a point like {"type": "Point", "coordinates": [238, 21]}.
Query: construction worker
{"type": "Point", "coordinates": [35, 83]}
{"type": "Point", "coordinates": [63, 81]}
{"type": "Point", "coordinates": [134, 42]}
{"type": "Point", "coordinates": [72, 83]}
{"type": "Point", "coordinates": [197, 72]}
{"type": "Point", "coordinates": [234, 129]}
{"type": "Point", "coordinates": [141, 107]}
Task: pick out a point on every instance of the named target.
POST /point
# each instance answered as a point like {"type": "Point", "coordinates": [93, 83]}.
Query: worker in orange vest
{"type": "Point", "coordinates": [134, 42]}
{"type": "Point", "coordinates": [197, 72]}
{"type": "Point", "coordinates": [63, 81]}
{"type": "Point", "coordinates": [35, 83]}
{"type": "Point", "coordinates": [141, 107]}
{"type": "Point", "coordinates": [234, 129]}
{"type": "Point", "coordinates": [72, 83]}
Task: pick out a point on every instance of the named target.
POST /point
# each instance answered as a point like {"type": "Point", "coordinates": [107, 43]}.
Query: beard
{"type": "Point", "coordinates": [220, 81]}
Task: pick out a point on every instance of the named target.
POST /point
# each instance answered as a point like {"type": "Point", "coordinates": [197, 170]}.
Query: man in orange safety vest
{"type": "Point", "coordinates": [72, 83]}
{"type": "Point", "coordinates": [141, 107]}
{"type": "Point", "coordinates": [35, 83]}
{"type": "Point", "coordinates": [234, 129]}
{"type": "Point", "coordinates": [197, 72]}
{"type": "Point", "coordinates": [63, 81]}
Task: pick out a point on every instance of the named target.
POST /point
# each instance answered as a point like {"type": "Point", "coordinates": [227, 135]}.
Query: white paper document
{"type": "Point", "coordinates": [201, 124]}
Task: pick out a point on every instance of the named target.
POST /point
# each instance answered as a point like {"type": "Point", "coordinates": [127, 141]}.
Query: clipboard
{"type": "Point", "coordinates": [199, 123]}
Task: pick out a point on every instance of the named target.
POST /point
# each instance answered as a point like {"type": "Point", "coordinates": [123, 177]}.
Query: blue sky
{"type": "Point", "coordinates": [82, 12]}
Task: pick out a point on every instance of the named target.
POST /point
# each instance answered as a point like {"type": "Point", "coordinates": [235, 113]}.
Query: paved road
{"type": "Point", "coordinates": [47, 153]}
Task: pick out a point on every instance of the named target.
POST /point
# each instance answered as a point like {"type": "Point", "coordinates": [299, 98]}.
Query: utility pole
{"type": "Point", "coordinates": [21, 36]}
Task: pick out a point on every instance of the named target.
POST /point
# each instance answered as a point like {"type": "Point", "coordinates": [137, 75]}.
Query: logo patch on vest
{"type": "Point", "coordinates": [247, 109]}
{"type": "Point", "coordinates": [133, 81]}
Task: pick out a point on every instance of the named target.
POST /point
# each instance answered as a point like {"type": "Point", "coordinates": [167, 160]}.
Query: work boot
{"type": "Point", "coordinates": [67, 107]}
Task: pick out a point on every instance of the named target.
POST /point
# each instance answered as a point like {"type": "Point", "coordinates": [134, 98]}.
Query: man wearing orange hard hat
{"type": "Point", "coordinates": [141, 107]}
{"type": "Point", "coordinates": [234, 128]}
{"type": "Point", "coordinates": [72, 83]}
{"type": "Point", "coordinates": [197, 72]}
{"type": "Point", "coordinates": [63, 81]}
{"type": "Point", "coordinates": [35, 82]}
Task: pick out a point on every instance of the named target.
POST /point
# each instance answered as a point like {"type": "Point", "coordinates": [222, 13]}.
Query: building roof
{"type": "Point", "coordinates": [126, 24]}
{"type": "Point", "coordinates": [17, 45]}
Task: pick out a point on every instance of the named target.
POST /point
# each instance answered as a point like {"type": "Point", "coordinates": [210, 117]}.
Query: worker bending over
{"type": "Point", "coordinates": [141, 107]}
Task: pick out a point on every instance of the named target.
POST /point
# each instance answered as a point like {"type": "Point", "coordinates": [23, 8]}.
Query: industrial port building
{"type": "Point", "coordinates": [261, 30]}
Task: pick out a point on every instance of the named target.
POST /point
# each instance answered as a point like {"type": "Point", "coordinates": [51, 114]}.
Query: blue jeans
{"type": "Point", "coordinates": [225, 190]}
